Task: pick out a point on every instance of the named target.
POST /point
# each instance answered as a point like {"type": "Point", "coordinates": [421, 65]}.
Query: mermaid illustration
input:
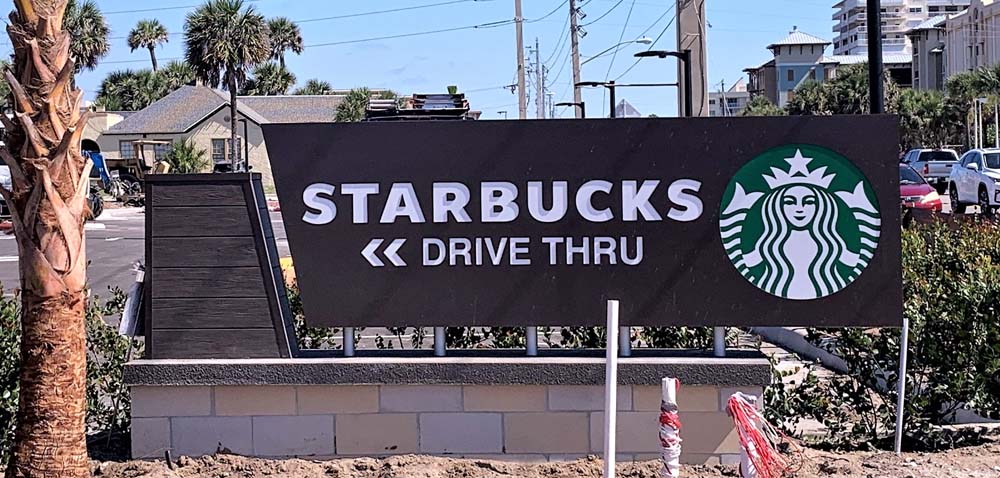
{"type": "Point", "coordinates": [804, 248]}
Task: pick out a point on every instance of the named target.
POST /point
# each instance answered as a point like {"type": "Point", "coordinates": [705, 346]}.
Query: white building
{"type": "Point", "coordinates": [729, 102]}
{"type": "Point", "coordinates": [972, 38]}
{"type": "Point", "coordinates": [898, 17]}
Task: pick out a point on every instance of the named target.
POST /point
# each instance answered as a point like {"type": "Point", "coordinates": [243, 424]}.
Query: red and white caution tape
{"type": "Point", "coordinates": [758, 440]}
{"type": "Point", "coordinates": [670, 427]}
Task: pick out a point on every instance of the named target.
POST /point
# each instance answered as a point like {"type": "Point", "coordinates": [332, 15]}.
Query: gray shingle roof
{"type": "Point", "coordinates": [799, 38]}
{"type": "Point", "coordinates": [930, 23]}
{"type": "Point", "coordinates": [294, 108]}
{"type": "Point", "coordinates": [188, 106]}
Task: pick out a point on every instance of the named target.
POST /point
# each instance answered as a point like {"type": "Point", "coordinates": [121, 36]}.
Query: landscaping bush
{"type": "Point", "coordinates": [951, 290]}
{"type": "Point", "coordinates": [108, 411]}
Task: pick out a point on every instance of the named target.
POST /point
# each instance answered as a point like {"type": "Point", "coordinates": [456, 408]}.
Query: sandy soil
{"type": "Point", "coordinates": [972, 462]}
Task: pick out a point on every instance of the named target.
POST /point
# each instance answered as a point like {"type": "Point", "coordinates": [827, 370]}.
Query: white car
{"type": "Point", "coordinates": [974, 181]}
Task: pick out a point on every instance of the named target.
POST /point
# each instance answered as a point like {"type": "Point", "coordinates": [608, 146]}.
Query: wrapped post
{"type": "Point", "coordinates": [759, 457]}
{"type": "Point", "coordinates": [670, 427]}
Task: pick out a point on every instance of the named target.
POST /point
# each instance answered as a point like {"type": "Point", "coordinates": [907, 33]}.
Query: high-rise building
{"type": "Point", "coordinates": [898, 17]}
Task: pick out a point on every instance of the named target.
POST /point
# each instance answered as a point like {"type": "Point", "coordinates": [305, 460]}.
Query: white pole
{"type": "Point", "coordinates": [996, 125]}
{"type": "Point", "coordinates": [719, 341]}
{"type": "Point", "coordinates": [531, 341]}
{"type": "Point", "coordinates": [625, 340]}
{"type": "Point", "coordinates": [348, 341]}
{"type": "Point", "coordinates": [611, 390]}
{"type": "Point", "coordinates": [904, 339]}
{"type": "Point", "coordinates": [439, 341]}
{"type": "Point", "coordinates": [670, 441]}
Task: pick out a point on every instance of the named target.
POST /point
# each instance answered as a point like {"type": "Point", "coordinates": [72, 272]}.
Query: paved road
{"type": "Point", "coordinates": [114, 242]}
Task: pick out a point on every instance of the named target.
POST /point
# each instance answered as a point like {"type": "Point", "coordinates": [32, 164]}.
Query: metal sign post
{"type": "Point", "coordinates": [611, 390]}
{"type": "Point", "coordinates": [904, 339]}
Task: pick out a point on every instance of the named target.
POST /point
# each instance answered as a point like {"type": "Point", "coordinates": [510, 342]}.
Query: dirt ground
{"type": "Point", "coordinates": [972, 462]}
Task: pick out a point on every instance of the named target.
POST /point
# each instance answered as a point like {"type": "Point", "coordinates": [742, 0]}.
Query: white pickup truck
{"type": "Point", "coordinates": [933, 164]}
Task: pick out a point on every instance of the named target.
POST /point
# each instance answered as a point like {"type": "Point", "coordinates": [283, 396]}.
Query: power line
{"type": "Point", "coordinates": [159, 9]}
{"type": "Point", "coordinates": [413, 34]}
{"type": "Point", "coordinates": [547, 15]}
{"type": "Point", "coordinates": [605, 14]}
{"type": "Point", "coordinates": [637, 60]}
{"type": "Point", "coordinates": [391, 10]}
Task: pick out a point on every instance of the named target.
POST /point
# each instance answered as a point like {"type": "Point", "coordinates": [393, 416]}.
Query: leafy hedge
{"type": "Point", "coordinates": [951, 290]}
{"type": "Point", "coordinates": [108, 410]}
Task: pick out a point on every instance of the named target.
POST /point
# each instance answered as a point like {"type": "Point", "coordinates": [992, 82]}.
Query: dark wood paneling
{"type": "Point", "coordinates": [215, 343]}
{"type": "Point", "coordinates": [204, 252]}
{"type": "Point", "coordinates": [212, 313]}
{"type": "Point", "coordinates": [200, 222]}
{"type": "Point", "coordinates": [214, 282]}
{"type": "Point", "coordinates": [197, 195]}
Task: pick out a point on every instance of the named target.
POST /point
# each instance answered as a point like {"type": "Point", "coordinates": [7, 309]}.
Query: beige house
{"type": "Point", "coordinates": [201, 115]}
{"type": "Point", "coordinates": [971, 38]}
{"type": "Point", "coordinates": [928, 45]}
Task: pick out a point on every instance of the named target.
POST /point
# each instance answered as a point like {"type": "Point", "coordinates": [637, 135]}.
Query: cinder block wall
{"type": "Point", "coordinates": [518, 422]}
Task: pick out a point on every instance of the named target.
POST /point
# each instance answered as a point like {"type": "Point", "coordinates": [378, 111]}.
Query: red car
{"type": "Point", "coordinates": [915, 193]}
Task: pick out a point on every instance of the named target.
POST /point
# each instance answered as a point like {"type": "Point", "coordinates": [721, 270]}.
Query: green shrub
{"type": "Point", "coordinates": [184, 158]}
{"type": "Point", "coordinates": [108, 410]}
{"type": "Point", "coordinates": [951, 290]}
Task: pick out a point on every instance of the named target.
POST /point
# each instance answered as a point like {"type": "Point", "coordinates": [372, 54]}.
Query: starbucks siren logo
{"type": "Point", "coordinates": [800, 222]}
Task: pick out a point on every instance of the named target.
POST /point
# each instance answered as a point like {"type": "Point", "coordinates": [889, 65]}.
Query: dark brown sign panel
{"type": "Point", "coordinates": [735, 221]}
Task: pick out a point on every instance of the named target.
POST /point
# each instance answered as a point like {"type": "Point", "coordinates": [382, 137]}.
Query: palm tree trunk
{"type": "Point", "coordinates": [152, 57]}
{"type": "Point", "coordinates": [281, 60]}
{"type": "Point", "coordinates": [232, 118]}
{"type": "Point", "coordinates": [47, 202]}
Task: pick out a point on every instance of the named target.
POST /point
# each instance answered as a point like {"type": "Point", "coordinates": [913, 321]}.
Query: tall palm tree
{"type": "Point", "coordinates": [88, 32]}
{"type": "Point", "coordinates": [285, 35]}
{"type": "Point", "coordinates": [223, 40]}
{"type": "Point", "coordinates": [269, 79]}
{"type": "Point", "coordinates": [48, 204]}
{"type": "Point", "coordinates": [148, 34]}
{"type": "Point", "coordinates": [314, 87]}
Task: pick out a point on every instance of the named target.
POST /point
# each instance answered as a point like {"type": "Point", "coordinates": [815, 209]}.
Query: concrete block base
{"type": "Point", "coordinates": [529, 421]}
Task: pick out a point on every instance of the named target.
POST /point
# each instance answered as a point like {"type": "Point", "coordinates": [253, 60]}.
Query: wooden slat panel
{"type": "Point", "coordinates": [202, 221]}
{"type": "Point", "coordinates": [197, 195]}
{"type": "Point", "coordinates": [216, 282]}
{"type": "Point", "coordinates": [215, 343]}
{"type": "Point", "coordinates": [204, 252]}
{"type": "Point", "coordinates": [211, 313]}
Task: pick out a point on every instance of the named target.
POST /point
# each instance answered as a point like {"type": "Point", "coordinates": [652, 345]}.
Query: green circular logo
{"type": "Point", "coordinates": [800, 222]}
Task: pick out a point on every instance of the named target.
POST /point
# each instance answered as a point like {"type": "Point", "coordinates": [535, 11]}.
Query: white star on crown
{"type": "Point", "coordinates": [799, 173]}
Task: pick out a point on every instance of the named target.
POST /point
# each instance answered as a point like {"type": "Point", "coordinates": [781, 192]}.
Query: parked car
{"type": "Point", "coordinates": [933, 164]}
{"type": "Point", "coordinates": [974, 181]}
{"type": "Point", "coordinates": [915, 192]}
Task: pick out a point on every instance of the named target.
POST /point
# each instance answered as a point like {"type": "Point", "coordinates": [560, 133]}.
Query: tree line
{"type": "Point", "coordinates": [248, 60]}
{"type": "Point", "coordinates": [927, 118]}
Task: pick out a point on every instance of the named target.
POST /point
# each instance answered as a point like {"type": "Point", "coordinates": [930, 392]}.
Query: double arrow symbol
{"type": "Point", "coordinates": [391, 252]}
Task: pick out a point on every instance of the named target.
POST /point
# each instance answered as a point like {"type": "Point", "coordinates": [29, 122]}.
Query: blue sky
{"type": "Point", "coordinates": [482, 60]}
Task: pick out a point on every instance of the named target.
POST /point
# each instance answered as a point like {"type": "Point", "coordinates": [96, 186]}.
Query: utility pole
{"type": "Point", "coordinates": [539, 84]}
{"type": "Point", "coordinates": [876, 93]}
{"type": "Point", "coordinates": [522, 101]}
{"type": "Point", "coordinates": [725, 104]}
{"type": "Point", "coordinates": [575, 46]}
{"type": "Point", "coordinates": [694, 73]}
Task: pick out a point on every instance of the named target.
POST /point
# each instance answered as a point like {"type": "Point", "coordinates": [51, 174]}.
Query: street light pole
{"type": "Point", "coordinates": [611, 93]}
{"type": "Point", "coordinates": [875, 88]}
{"type": "Point", "coordinates": [582, 108]}
{"type": "Point", "coordinates": [685, 57]}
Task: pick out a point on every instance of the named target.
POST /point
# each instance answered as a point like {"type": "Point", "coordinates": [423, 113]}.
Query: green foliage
{"type": "Point", "coordinates": [285, 36]}
{"type": "Point", "coordinates": [108, 406]}
{"type": "Point", "coordinates": [224, 40]}
{"type": "Point", "coordinates": [269, 79]}
{"type": "Point", "coordinates": [314, 87]}
{"type": "Point", "coordinates": [133, 90]}
{"type": "Point", "coordinates": [184, 158]}
{"type": "Point", "coordinates": [810, 98]}
{"type": "Point", "coordinates": [148, 34]}
{"type": "Point", "coordinates": [88, 33]}
{"type": "Point", "coordinates": [761, 106]}
{"type": "Point", "coordinates": [352, 109]}
{"type": "Point", "coordinates": [951, 286]}
{"type": "Point", "coordinates": [4, 88]}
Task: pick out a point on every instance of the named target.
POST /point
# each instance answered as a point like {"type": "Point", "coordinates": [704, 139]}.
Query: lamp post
{"type": "Point", "coordinates": [581, 105]}
{"type": "Point", "coordinates": [684, 56]}
{"type": "Point", "coordinates": [641, 41]}
{"type": "Point", "coordinates": [502, 112]}
{"type": "Point", "coordinates": [611, 86]}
